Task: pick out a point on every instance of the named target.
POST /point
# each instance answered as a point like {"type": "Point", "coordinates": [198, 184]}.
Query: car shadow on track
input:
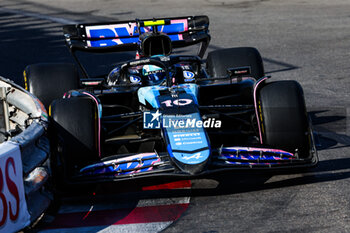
{"type": "Point", "coordinates": [324, 172]}
{"type": "Point", "coordinates": [331, 128]}
{"type": "Point", "coordinates": [233, 183]}
{"type": "Point", "coordinates": [271, 65]}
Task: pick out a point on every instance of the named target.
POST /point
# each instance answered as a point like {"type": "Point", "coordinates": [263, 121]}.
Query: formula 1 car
{"type": "Point", "coordinates": [163, 114]}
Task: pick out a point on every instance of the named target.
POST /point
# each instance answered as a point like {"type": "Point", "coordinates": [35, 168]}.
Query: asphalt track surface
{"type": "Point", "coordinates": [308, 41]}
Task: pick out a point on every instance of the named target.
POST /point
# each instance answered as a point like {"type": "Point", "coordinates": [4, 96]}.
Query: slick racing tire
{"type": "Point", "coordinates": [74, 135]}
{"type": "Point", "coordinates": [49, 81]}
{"type": "Point", "coordinates": [219, 61]}
{"type": "Point", "coordinates": [283, 117]}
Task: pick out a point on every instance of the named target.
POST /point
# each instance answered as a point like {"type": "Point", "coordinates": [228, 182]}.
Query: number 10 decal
{"type": "Point", "coordinates": [177, 102]}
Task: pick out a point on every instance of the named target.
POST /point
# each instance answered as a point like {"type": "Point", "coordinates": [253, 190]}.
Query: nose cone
{"type": "Point", "coordinates": [188, 144]}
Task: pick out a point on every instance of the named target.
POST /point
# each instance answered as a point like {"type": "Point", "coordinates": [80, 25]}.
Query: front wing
{"type": "Point", "coordinates": [226, 158]}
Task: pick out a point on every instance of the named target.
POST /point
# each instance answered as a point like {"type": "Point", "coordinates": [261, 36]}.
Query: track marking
{"type": "Point", "coordinates": [143, 227]}
{"type": "Point", "coordinates": [147, 214]}
{"type": "Point", "coordinates": [109, 205]}
{"type": "Point", "coordinates": [121, 212]}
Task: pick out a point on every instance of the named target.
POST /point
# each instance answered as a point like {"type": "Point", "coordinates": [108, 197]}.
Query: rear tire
{"type": "Point", "coordinates": [74, 135]}
{"type": "Point", "coordinates": [219, 61]}
{"type": "Point", "coordinates": [284, 118]}
{"type": "Point", "coordinates": [50, 81]}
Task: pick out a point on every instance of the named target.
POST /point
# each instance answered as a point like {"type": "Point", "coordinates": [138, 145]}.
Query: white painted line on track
{"type": "Point", "coordinates": [39, 16]}
{"type": "Point", "coordinates": [138, 227]}
{"type": "Point", "coordinates": [73, 208]}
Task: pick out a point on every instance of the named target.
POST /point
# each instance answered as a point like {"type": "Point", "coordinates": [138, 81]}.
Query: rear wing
{"type": "Point", "coordinates": [124, 35]}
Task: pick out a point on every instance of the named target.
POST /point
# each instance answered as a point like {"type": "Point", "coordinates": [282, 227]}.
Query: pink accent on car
{"type": "Point", "coordinates": [256, 106]}
{"type": "Point", "coordinates": [184, 21]}
{"type": "Point", "coordinates": [99, 124]}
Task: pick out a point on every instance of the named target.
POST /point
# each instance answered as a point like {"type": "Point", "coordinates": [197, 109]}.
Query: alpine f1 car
{"type": "Point", "coordinates": [163, 114]}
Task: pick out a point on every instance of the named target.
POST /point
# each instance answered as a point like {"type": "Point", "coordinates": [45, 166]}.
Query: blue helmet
{"type": "Point", "coordinates": [154, 74]}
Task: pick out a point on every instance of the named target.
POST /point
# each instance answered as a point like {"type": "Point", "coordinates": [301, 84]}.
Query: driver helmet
{"type": "Point", "coordinates": [154, 74]}
{"type": "Point", "coordinates": [115, 78]}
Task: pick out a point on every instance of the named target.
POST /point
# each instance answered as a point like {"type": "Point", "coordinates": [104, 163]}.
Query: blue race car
{"type": "Point", "coordinates": [167, 114]}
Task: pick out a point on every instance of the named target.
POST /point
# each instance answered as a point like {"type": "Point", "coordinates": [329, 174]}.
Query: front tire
{"type": "Point", "coordinates": [74, 135]}
{"type": "Point", "coordinates": [284, 121]}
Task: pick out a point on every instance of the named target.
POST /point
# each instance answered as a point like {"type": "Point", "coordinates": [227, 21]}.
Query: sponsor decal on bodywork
{"type": "Point", "coordinates": [14, 215]}
{"type": "Point", "coordinates": [188, 76]}
{"type": "Point", "coordinates": [128, 33]}
{"type": "Point", "coordinates": [255, 156]}
{"type": "Point", "coordinates": [123, 166]}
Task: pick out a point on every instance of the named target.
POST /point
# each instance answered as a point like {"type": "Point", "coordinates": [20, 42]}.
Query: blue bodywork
{"type": "Point", "coordinates": [188, 145]}
{"type": "Point", "coordinates": [149, 94]}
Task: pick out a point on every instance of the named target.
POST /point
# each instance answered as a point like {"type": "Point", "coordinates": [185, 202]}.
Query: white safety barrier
{"type": "Point", "coordinates": [14, 215]}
